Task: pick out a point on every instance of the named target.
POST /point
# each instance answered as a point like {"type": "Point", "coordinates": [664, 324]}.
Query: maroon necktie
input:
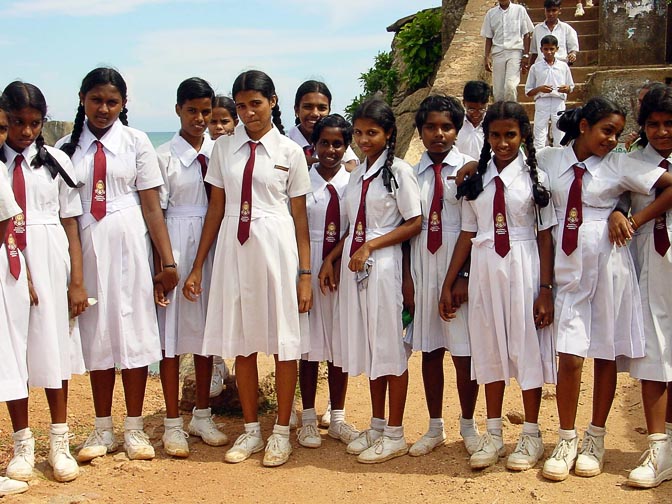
{"type": "Point", "coordinates": [309, 151]}
{"type": "Point", "coordinates": [204, 170]}
{"type": "Point", "coordinates": [359, 237]}
{"type": "Point", "coordinates": [16, 232]}
{"type": "Point", "coordinates": [434, 224]}
{"type": "Point", "coordinates": [99, 191]}
{"type": "Point", "coordinates": [574, 212]}
{"type": "Point", "coordinates": [246, 197]}
{"type": "Point", "coordinates": [661, 239]}
{"type": "Point", "coordinates": [332, 222]}
{"type": "Point", "coordinates": [502, 246]}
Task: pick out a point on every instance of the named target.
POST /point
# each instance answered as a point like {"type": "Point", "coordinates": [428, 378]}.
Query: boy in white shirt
{"type": "Point", "coordinates": [475, 98]}
{"type": "Point", "coordinates": [548, 82]}
{"type": "Point", "coordinates": [507, 29]}
{"type": "Point", "coordinates": [568, 40]}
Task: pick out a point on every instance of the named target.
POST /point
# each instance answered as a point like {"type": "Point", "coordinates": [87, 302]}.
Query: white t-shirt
{"type": "Point", "coordinates": [506, 27]}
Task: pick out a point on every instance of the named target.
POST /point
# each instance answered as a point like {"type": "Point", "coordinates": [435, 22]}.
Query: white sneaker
{"type": "Point", "coordinates": [383, 449]}
{"type": "Point", "coordinates": [489, 449]}
{"type": "Point", "coordinates": [365, 440]}
{"type": "Point", "coordinates": [278, 450]}
{"type": "Point", "coordinates": [309, 436]}
{"type": "Point", "coordinates": [174, 438]}
{"type": "Point", "coordinates": [343, 431]}
{"type": "Point", "coordinates": [246, 444]}
{"type": "Point", "coordinates": [655, 465]}
{"type": "Point", "coordinates": [137, 445]}
{"type": "Point", "coordinates": [668, 430]}
{"type": "Point", "coordinates": [203, 426]}
{"type": "Point", "coordinates": [471, 442]}
{"type": "Point", "coordinates": [22, 463]}
{"type": "Point", "coordinates": [579, 10]}
{"type": "Point", "coordinates": [527, 453]}
{"type": "Point", "coordinates": [590, 461]}
{"type": "Point", "coordinates": [217, 380]}
{"type": "Point", "coordinates": [325, 421]}
{"type": "Point", "coordinates": [9, 486]}
{"type": "Point", "coordinates": [562, 460]}
{"type": "Point", "coordinates": [589, 4]}
{"type": "Point", "coordinates": [60, 459]}
{"type": "Point", "coordinates": [426, 444]}
{"type": "Point", "coordinates": [99, 443]}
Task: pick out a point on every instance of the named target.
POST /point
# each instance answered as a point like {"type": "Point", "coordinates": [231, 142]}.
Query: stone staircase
{"type": "Point", "coordinates": [586, 62]}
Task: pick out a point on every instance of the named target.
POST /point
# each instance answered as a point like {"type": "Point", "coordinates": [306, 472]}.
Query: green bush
{"type": "Point", "coordinates": [419, 44]}
{"type": "Point", "coordinates": [382, 77]}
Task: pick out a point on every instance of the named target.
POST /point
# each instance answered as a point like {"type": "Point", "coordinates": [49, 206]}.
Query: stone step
{"type": "Point", "coordinates": [537, 14]}
{"type": "Point", "coordinates": [585, 58]}
{"type": "Point", "coordinates": [567, 5]}
{"type": "Point", "coordinates": [529, 108]}
{"type": "Point", "coordinates": [577, 94]}
{"type": "Point", "coordinates": [580, 73]}
{"type": "Point", "coordinates": [587, 42]}
{"type": "Point", "coordinates": [588, 27]}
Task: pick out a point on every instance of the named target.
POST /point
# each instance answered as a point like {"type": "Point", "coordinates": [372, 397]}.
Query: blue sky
{"type": "Point", "coordinates": [156, 44]}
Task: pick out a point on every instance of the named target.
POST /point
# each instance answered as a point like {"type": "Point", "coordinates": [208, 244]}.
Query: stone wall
{"type": "Point", "coordinates": [53, 131]}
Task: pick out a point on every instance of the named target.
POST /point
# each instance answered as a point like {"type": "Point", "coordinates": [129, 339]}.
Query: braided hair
{"type": "Point", "coordinates": [256, 80]}
{"type": "Point", "coordinates": [657, 99]}
{"type": "Point", "coordinates": [593, 111]}
{"type": "Point", "coordinates": [505, 110]}
{"type": "Point", "coordinates": [378, 111]}
{"type": "Point", "coordinates": [97, 77]}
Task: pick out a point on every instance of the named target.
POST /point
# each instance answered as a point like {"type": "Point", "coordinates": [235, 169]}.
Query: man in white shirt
{"type": "Point", "coordinates": [568, 40]}
{"type": "Point", "coordinates": [475, 98]}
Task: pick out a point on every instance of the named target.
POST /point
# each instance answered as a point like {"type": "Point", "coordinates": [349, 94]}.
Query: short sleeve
{"type": "Point", "coordinates": [571, 39]}
{"type": "Point", "coordinates": [469, 222]}
{"type": "Point", "coordinates": [486, 29]}
{"type": "Point", "coordinates": [531, 82]}
{"type": "Point", "coordinates": [635, 175]}
{"type": "Point", "coordinates": [408, 194]}
{"type": "Point", "coordinates": [526, 26]}
{"type": "Point", "coordinates": [164, 191]}
{"type": "Point", "coordinates": [298, 182]}
{"type": "Point", "coordinates": [534, 45]}
{"type": "Point", "coordinates": [148, 173]}
{"type": "Point", "coordinates": [8, 206]}
{"type": "Point", "coordinates": [214, 174]}
{"type": "Point", "coordinates": [547, 216]}
{"type": "Point", "coordinates": [350, 155]}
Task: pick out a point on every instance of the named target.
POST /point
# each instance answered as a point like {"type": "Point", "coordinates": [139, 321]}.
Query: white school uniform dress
{"type": "Point", "coordinates": [121, 329]}
{"type": "Point", "coordinates": [429, 331]}
{"type": "Point", "coordinates": [502, 290]}
{"type": "Point", "coordinates": [598, 311]}
{"type": "Point", "coordinates": [14, 309]}
{"type": "Point", "coordinates": [295, 134]}
{"type": "Point", "coordinates": [322, 335]}
{"type": "Point", "coordinates": [547, 105]}
{"type": "Point", "coordinates": [54, 354]}
{"type": "Point", "coordinates": [369, 323]}
{"type": "Point", "coordinates": [469, 140]}
{"type": "Point", "coordinates": [655, 275]}
{"type": "Point", "coordinates": [254, 307]}
{"type": "Point", "coordinates": [568, 40]}
{"type": "Point", "coordinates": [506, 28]}
{"type": "Point", "coordinates": [183, 197]}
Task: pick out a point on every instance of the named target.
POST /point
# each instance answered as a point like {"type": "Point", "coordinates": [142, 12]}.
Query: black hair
{"type": "Point", "coordinates": [593, 111]}
{"type": "Point", "coordinates": [477, 91]}
{"type": "Point", "coordinates": [222, 101]}
{"type": "Point", "coordinates": [97, 77]}
{"type": "Point", "coordinates": [549, 4]}
{"type": "Point", "coordinates": [381, 113]}
{"type": "Point", "coordinates": [193, 89]}
{"type": "Point", "coordinates": [20, 95]}
{"type": "Point", "coordinates": [310, 86]}
{"type": "Point", "coordinates": [504, 110]}
{"type": "Point", "coordinates": [549, 40]}
{"type": "Point", "coordinates": [256, 80]}
{"type": "Point", "coordinates": [439, 103]}
{"type": "Point", "coordinates": [657, 99]}
{"type": "Point", "coordinates": [332, 121]}
{"type": "Point", "coordinates": [3, 103]}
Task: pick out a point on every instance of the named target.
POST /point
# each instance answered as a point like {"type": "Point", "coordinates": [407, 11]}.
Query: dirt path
{"type": "Point", "coordinates": [328, 473]}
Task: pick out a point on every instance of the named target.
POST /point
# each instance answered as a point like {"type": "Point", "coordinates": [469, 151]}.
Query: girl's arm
{"type": "Point", "coordinates": [461, 254]}
{"type": "Point", "coordinates": [658, 206]}
{"type": "Point", "coordinates": [34, 301]}
{"type": "Point", "coordinates": [328, 278]}
{"type": "Point", "coordinates": [407, 285]}
{"type": "Point", "coordinates": [300, 216]}
{"type": "Point", "coordinates": [403, 232]}
{"type": "Point", "coordinates": [543, 305]}
{"type": "Point", "coordinates": [77, 296]}
{"type": "Point", "coordinates": [153, 214]}
{"type": "Point", "coordinates": [211, 224]}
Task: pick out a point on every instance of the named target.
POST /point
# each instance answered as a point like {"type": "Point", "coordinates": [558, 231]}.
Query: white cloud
{"type": "Point", "coordinates": [342, 12]}
{"type": "Point", "coordinates": [75, 7]}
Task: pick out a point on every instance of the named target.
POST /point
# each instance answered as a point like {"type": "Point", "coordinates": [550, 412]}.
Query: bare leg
{"type": "Point", "coordinates": [398, 391]}
{"type": "Point", "coordinates": [467, 389]}
{"type": "Point", "coordinates": [58, 403]}
{"type": "Point", "coordinates": [655, 399]}
{"type": "Point", "coordinates": [169, 369]}
{"type": "Point", "coordinates": [532, 404]}
{"type": "Point", "coordinates": [338, 386]}
{"type": "Point", "coordinates": [135, 383]}
{"type": "Point", "coordinates": [308, 382]}
{"type": "Point", "coordinates": [433, 381]}
{"type": "Point", "coordinates": [203, 369]}
{"type": "Point", "coordinates": [102, 389]}
{"type": "Point", "coordinates": [285, 386]}
{"type": "Point", "coordinates": [567, 390]}
{"type": "Point", "coordinates": [18, 412]}
{"type": "Point", "coordinates": [604, 389]}
{"type": "Point", "coordinates": [494, 398]}
{"type": "Point", "coordinates": [247, 378]}
{"type": "Point", "coordinates": [378, 390]}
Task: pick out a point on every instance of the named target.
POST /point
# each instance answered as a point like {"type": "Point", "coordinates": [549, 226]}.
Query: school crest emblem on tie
{"type": "Point", "coordinates": [100, 190]}
{"type": "Point", "coordinates": [573, 219]}
{"type": "Point", "coordinates": [245, 211]}
{"type": "Point", "coordinates": [661, 222]}
{"type": "Point", "coordinates": [19, 223]}
{"type": "Point", "coordinates": [500, 223]}
{"type": "Point", "coordinates": [359, 232]}
{"type": "Point", "coordinates": [331, 233]}
{"type": "Point", "coordinates": [11, 245]}
{"type": "Point", "coordinates": [434, 221]}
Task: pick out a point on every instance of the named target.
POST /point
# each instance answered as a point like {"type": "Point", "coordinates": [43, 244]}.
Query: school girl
{"type": "Point", "coordinates": [510, 284]}
{"type": "Point", "coordinates": [327, 221]}
{"type": "Point", "coordinates": [223, 119]}
{"type": "Point", "coordinates": [651, 251]}
{"type": "Point", "coordinates": [257, 212]}
{"type": "Point", "coordinates": [438, 120]}
{"type": "Point", "coordinates": [382, 201]}
{"type": "Point", "coordinates": [120, 196]}
{"type": "Point", "coordinates": [312, 101]}
{"type": "Point", "coordinates": [184, 196]}
{"type": "Point", "coordinates": [43, 181]}
{"type": "Point", "coordinates": [598, 311]}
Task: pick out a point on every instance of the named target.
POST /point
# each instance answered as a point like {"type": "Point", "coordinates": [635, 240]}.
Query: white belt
{"type": "Point", "coordinates": [590, 214]}
{"type": "Point", "coordinates": [111, 206]}
{"type": "Point", "coordinates": [233, 210]}
{"type": "Point", "coordinates": [185, 211]}
{"type": "Point", "coordinates": [37, 217]}
{"type": "Point", "coordinates": [445, 228]}
{"type": "Point", "coordinates": [374, 232]}
{"type": "Point", "coordinates": [515, 234]}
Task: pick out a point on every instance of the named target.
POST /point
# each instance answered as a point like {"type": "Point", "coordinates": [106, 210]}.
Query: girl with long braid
{"type": "Point", "coordinates": [507, 220]}
{"type": "Point", "coordinates": [382, 200]}
{"type": "Point", "coordinates": [122, 210]}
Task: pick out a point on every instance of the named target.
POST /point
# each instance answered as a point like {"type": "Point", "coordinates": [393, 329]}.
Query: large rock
{"type": "Point", "coordinates": [228, 401]}
{"type": "Point", "coordinates": [53, 131]}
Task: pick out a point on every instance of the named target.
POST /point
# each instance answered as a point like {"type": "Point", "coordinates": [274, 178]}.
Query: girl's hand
{"type": "Point", "coordinates": [620, 230]}
{"type": "Point", "coordinates": [359, 258]}
{"type": "Point", "coordinates": [446, 307]}
{"type": "Point", "coordinates": [77, 299]}
{"type": "Point", "coordinates": [169, 277]}
{"type": "Point", "coordinates": [460, 292]}
{"type": "Point", "coordinates": [543, 308]}
{"type": "Point", "coordinates": [192, 285]}
{"type": "Point", "coordinates": [408, 294]}
{"type": "Point", "coordinates": [466, 172]}
{"type": "Point", "coordinates": [328, 277]}
{"type": "Point", "coordinates": [304, 293]}
{"type": "Point", "coordinates": [159, 295]}
{"type": "Point", "coordinates": [32, 293]}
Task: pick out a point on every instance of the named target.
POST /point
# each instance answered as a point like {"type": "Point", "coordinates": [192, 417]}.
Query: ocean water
{"type": "Point", "coordinates": [159, 137]}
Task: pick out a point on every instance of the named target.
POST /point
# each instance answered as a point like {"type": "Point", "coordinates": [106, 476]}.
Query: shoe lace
{"type": "Point", "coordinates": [650, 456]}
{"type": "Point", "coordinates": [138, 436]}
{"type": "Point", "coordinates": [62, 443]}
{"type": "Point", "coordinates": [379, 445]}
{"type": "Point", "coordinates": [524, 445]}
{"type": "Point", "coordinates": [346, 428]}
{"type": "Point", "coordinates": [21, 449]}
{"type": "Point", "coordinates": [95, 438]}
{"type": "Point", "coordinates": [588, 447]}
{"type": "Point", "coordinates": [309, 430]}
{"type": "Point", "coordinates": [273, 444]}
{"type": "Point", "coordinates": [177, 431]}
{"type": "Point", "coordinates": [562, 450]}
{"type": "Point", "coordinates": [484, 440]}
{"type": "Point", "coordinates": [244, 438]}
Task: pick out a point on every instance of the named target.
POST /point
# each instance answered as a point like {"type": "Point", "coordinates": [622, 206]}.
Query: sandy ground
{"type": "Point", "coordinates": [328, 473]}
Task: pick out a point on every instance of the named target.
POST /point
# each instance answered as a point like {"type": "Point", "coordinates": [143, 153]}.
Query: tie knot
{"type": "Point", "coordinates": [664, 164]}
{"type": "Point", "coordinates": [253, 145]}
{"type": "Point", "coordinates": [18, 160]}
{"type": "Point", "coordinates": [498, 183]}
{"type": "Point", "coordinates": [99, 145]}
{"type": "Point", "coordinates": [437, 168]}
{"type": "Point", "coordinates": [578, 171]}
{"type": "Point", "coordinates": [331, 189]}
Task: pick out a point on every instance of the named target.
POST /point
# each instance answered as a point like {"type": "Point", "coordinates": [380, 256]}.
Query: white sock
{"type": "Point", "coordinates": [281, 430]}
{"type": "Point", "coordinates": [134, 423]}
{"type": "Point", "coordinates": [531, 429]}
{"type": "Point", "coordinates": [378, 424]}
{"type": "Point", "coordinates": [494, 426]}
{"type": "Point", "coordinates": [567, 434]}
{"type": "Point", "coordinates": [103, 423]}
{"type": "Point", "coordinates": [435, 427]}
{"type": "Point", "coordinates": [22, 435]}
{"type": "Point", "coordinates": [309, 416]}
{"type": "Point", "coordinates": [58, 429]}
{"type": "Point", "coordinates": [596, 431]}
{"type": "Point", "coordinates": [337, 416]}
{"type": "Point", "coordinates": [253, 428]}
{"type": "Point", "coordinates": [394, 432]}
{"type": "Point", "coordinates": [467, 427]}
